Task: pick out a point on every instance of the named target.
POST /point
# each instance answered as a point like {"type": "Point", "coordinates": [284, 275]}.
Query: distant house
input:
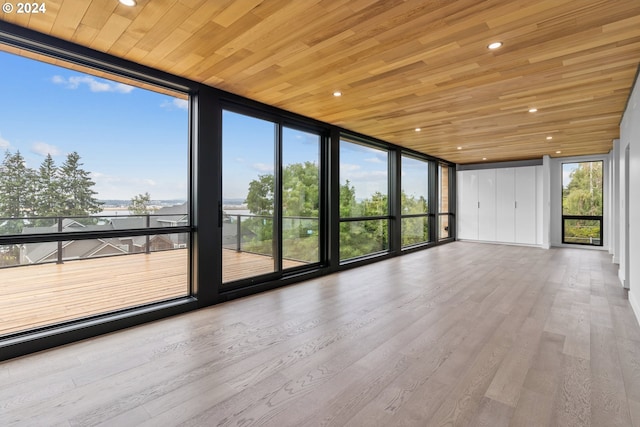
{"type": "Point", "coordinates": [35, 253]}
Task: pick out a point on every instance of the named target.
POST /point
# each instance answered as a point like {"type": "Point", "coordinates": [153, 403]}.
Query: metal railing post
{"type": "Point", "coordinates": [59, 261]}
{"type": "Point", "coordinates": [238, 234]}
{"type": "Point", "coordinates": [148, 239]}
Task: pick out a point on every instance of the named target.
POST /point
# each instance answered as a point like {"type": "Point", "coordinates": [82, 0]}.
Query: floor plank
{"type": "Point", "coordinates": [461, 334]}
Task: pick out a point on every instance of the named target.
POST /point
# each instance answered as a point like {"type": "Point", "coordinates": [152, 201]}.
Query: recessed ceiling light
{"type": "Point", "coordinates": [459, 148]}
{"type": "Point", "coordinates": [549, 138]}
{"type": "Point", "coordinates": [337, 93]}
{"type": "Point", "coordinates": [533, 110]}
{"type": "Point", "coordinates": [129, 3]}
{"type": "Point", "coordinates": [494, 45]}
{"type": "Point", "coordinates": [484, 158]}
{"type": "Point", "coordinates": [558, 152]}
{"type": "Point", "coordinates": [418, 129]}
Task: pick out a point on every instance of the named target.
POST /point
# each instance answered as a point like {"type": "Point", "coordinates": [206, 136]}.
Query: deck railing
{"type": "Point", "coordinates": [125, 233]}
{"type": "Point", "coordinates": [241, 232]}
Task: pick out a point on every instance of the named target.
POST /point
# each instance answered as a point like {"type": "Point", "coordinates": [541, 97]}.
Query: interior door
{"type": "Point", "coordinates": [487, 205]}
{"type": "Point", "coordinates": [505, 205]}
{"type": "Point", "coordinates": [525, 205]}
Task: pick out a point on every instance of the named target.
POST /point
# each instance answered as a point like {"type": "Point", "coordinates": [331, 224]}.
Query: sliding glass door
{"type": "Point", "coordinates": [271, 197]}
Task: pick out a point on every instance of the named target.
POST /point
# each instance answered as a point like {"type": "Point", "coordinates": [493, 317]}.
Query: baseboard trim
{"type": "Point", "coordinates": [634, 306]}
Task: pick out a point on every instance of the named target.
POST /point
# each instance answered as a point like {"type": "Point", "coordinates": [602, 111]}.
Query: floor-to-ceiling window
{"type": "Point", "coordinates": [300, 197]}
{"type": "Point", "coordinates": [364, 195]}
{"type": "Point", "coordinates": [582, 196]}
{"type": "Point", "coordinates": [271, 197]}
{"type": "Point", "coordinates": [248, 180]}
{"type": "Point", "coordinates": [415, 201]}
{"type": "Point", "coordinates": [94, 191]}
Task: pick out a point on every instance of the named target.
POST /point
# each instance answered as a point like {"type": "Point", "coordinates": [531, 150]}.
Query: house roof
{"type": "Point", "coordinates": [400, 65]}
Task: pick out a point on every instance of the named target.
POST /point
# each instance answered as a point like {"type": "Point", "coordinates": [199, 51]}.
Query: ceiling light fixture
{"type": "Point", "coordinates": [129, 3]}
{"type": "Point", "coordinates": [337, 93]}
{"type": "Point", "coordinates": [549, 138]}
{"type": "Point", "coordinates": [418, 129]}
{"type": "Point", "coordinates": [533, 110]}
{"type": "Point", "coordinates": [484, 158]}
{"type": "Point", "coordinates": [494, 45]}
{"type": "Point", "coordinates": [459, 148]}
{"type": "Point", "coordinates": [558, 152]}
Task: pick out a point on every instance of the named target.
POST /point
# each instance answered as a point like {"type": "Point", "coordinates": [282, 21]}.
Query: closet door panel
{"type": "Point", "coordinates": [525, 211]}
{"type": "Point", "coordinates": [487, 205]}
{"type": "Point", "coordinates": [505, 205]}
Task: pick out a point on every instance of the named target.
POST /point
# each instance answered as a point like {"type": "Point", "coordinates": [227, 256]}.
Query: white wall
{"type": "Point", "coordinates": [614, 226]}
{"type": "Point", "coordinates": [630, 136]}
{"type": "Point", "coordinates": [546, 202]}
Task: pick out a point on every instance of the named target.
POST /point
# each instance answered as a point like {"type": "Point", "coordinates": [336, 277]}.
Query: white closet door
{"type": "Point", "coordinates": [487, 204]}
{"type": "Point", "coordinates": [467, 216]}
{"type": "Point", "coordinates": [526, 205]}
{"type": "Point", "coordinates": [505, 205]}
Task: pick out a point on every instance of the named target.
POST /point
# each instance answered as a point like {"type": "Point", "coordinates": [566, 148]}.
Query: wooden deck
{"type": "Point", "coordinates": [39, 295]}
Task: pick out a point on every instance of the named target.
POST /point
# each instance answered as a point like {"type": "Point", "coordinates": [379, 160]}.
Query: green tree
{"type": "Point", "coordinates": [16, 190]}
{"type": "Point", "coordinates": [140, 204]}
{"type": "Point", "coordinates": [48, 199]}
{"type": "Point", "coordinates": [260, 196]}
{"type": "Point", "coordinates": [300, 187]}
{"type": "Point", "coordinates": [77, 189]}
{"type": "Point", "coordinates": [583, 194]}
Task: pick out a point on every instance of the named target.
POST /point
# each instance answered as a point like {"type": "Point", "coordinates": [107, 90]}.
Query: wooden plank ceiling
{"type": "Point", "coordinates": [400, 65]}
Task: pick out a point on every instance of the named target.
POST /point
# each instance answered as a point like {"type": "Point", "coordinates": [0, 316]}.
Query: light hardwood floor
{"type": "Point", "coordinates": [462, 334]}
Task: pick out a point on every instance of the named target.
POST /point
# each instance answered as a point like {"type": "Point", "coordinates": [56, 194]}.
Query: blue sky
{"type": "Point", "coordinates": [131, 140]}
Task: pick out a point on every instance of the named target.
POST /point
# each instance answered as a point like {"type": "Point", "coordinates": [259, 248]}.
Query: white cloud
{"type": "Point", "coordinates": [94, 84]}
{"type": "Point", "coordinates": [263, 167]}
{"type": "Point", "coordinates": [42, 148]}
{"type": "Point", "coordinates": [373, 160]}
{"type": "Point", "coordinates": [4, 144]}
{"type": "Point", "coordinates": [176, 103]}
{"type": "Point", "coordinates": [348, 167]}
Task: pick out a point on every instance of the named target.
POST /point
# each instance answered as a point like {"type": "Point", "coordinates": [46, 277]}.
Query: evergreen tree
{"type": "Point", "coordinates": [76, 188]}
{"type": "Point", "coordinates": [16, 187]}
{"type": "Point", "coordinates": [47, 189]}
{"type": "Point", "coordinates": [140, 204]}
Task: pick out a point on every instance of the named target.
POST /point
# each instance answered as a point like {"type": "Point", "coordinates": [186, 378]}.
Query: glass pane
{"type": "Point", "coordinates": [363, 180]}
{"type": "Point", "coordinates": [88, 150]}
{"type": "Point", "coordinates": [97, 154]}
{"type": "Point", "coordinates": [582, 188]}
{"type": "Point", "coordinates": [248, 153]}
{"type": "Point", "coordinates": [300, 197]}
{"type": "Point", "coordinates": [415, 186]}
{"type": "Point", "coordinates": [358, 238]}
{"type": "Point", "coordinates": [582, 231]}
{"type": "Point", "coordinates": [415, 230]}
{"type": "Point", "coordinates": [443, 229]}
{"type": "Point", "coordinates": [97, 276]}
